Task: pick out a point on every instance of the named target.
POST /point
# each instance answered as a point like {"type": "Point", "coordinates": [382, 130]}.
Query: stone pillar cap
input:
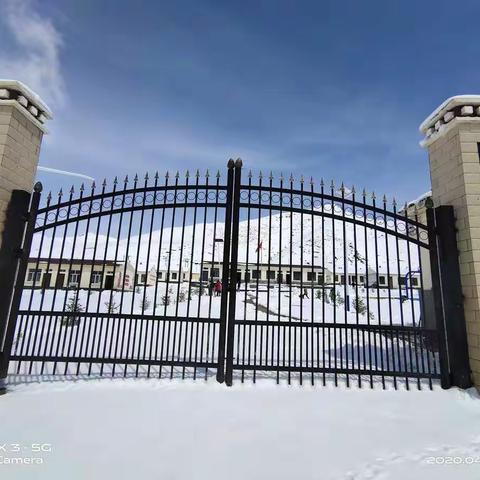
{"type": "Point", "coordinates": [13, 92]}
{"type": "Point", "coordinates": [461, 108]}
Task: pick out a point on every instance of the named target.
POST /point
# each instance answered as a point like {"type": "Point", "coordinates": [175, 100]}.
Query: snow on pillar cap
{"type": "Point", "coordinates": [454, 110]}
{"type": "Point", "coordinates": [13, 92]}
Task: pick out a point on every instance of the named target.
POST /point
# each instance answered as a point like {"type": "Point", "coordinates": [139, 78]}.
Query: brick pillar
{"type": "Point", "coordinates": [452, 138]}
{"type": "Point", "coordinates": [22, 118]}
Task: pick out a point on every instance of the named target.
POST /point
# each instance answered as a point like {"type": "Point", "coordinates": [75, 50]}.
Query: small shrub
{"type": "Point", "coordinates": [73, 306]}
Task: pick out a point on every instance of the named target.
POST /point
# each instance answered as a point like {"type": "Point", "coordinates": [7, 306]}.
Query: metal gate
{"type": "Point", "coordinates": [239, 278]}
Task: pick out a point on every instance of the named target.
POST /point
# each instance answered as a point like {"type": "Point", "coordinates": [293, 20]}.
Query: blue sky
{"type": "Point", "coordinates": [332, 89]}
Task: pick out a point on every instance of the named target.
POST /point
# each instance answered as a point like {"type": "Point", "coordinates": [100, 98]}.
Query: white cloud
{"type": "Point", "coordinates": [36, 57]}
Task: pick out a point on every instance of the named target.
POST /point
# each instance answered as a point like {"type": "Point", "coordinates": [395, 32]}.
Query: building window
{"type": "Point", "coordinates": [34, 275]}
{"type": "Point", "coordinates": [256, 274]}
{"type": "Point", "coordinates": [337, 278]}
{"type": "Point", "coordinates": [215, 272]}
{"type": "Point", "coordinates": [143, 277]}
{"type": "Point", "coordinates": [205, 275]}
{"type": "Point", "coordinates": [342, 279]}
{"type": "Point", "coordinates": [74, 276]}
{"type": "Point", "coordinates": [280, 277]}
{"type": "Point", "coordinates": [297, 275]}
{"type": "Point", "coordinates": [362, 279]}
{"type": "Point", "coordinates": [159, 274]}
{"type": "Point", "coordinates": [414, 282]}
{"type": "Point", "coordinates": [174, 275]}
{"type": "Point", "coordinates": [401, 280]}
{"type": "Point", "coordinates": [97, 277]}
{"type": "Point", "coordinates": [239, 275]}
{"type": "Point", "coordinates": [270, 274]}
{"type": "Point", "coordinates": [381, 280]}
{"type": "Point", "coordinates": [311, 276]}
{"type": "Point", "coordinates": [321, 279]}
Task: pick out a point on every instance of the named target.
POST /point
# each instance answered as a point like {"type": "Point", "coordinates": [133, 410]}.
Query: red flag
{"type": "Point", "coordinates": [259, 246]}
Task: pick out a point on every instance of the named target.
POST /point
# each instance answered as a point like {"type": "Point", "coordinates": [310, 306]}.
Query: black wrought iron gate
{"type": "Point", "coordinates": [242, 279]}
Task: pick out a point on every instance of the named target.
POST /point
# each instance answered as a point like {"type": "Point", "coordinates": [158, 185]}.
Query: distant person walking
{"type": "Point", "coordinates": [218, 288]}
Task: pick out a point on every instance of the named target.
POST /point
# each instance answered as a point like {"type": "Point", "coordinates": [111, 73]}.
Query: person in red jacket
{"type": "Point", "coordinates": [218, 288]}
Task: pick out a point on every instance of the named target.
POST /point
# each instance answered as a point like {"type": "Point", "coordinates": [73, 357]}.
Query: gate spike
{"type": "Point", "coordinates": [156, 176]}
{"type": "Point", "coordinates": [281, 177]}
{"type": "Point", "coordinates": [146, 177]}
{"type": "Point", "coordinates": [384, 198]}
{"type": "Point", "coordinates": [342, 188]}
{"type": "Point", "coordinates": [197, 174]}
{"type": "Point", "coordinates": [207, 174]}
{"type": "Point", "coordinates": [218, 174]}
{"type": "Point", "coordinates": [60, 193]}
{"type": "Point", "coordinates": [72, 190]}
{"type": "Point", "coordinates": [177, 175]}
{"type": "Point", "coordinates": [353, 190]}
{"type": "Point", "coordinates": [250, 175]}
{"type": "Point", "coordinates": [126, 179]}
{"type": "Point", "coordinates": [332, 185]}
{"type": "Point", "coordinates": [311, 180]}
{"type": "Point", "coordinates": [187, 174]}
{"type": "Point", "coordinates": [260, 175]}
{"type": "Point", "coordinates": [115, 180]}
{"type": "Point", "coordinates": [394, 202]}
{"type": "Point", "coordinates": [291, 179]}
{"type": "Point", "coordinates": [322, 183]}
{"type": "Point", "coordinates": [302, 179]}
{"type": "Point", "coordinates": [167, 175]}
{"type": "Point", "coordinates": [49, 196]}
{"type": "Point", "coordinates": [270, 177]}
{"type": "Point", "coordinates": [104, 184]}
{"type": "Point", "coordinates": [82, 187]}
{"type": "Point", "coordinates": [373, 196]}
{"type": "Point", "coordinates": [94, 185]}
{"type": "Point", "coordinates": [135, 180]}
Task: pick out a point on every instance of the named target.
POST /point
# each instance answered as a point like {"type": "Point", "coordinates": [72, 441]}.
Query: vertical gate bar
{"type": "Point", "coordinates": [280, 330]}
{"type": "Point", "coordinates": [167, 302]}
{"type": "Point", "coordinates": [378, 301]}
{"type": "Point", "coordinates": [144, 300]}
{"type": "Point", "coordinates": [456, 333]}
{"type": "Point", "coordinates": [258, 243]}
{"type": "Point", "coordinates": [402, 321]}
{"type": "Point", "coordinates": [226, 294]}
{"type": "Point", "coordinates": [233, 272]}
{"type": "Point", "coordinates": [62, 250]}
{"type": "Point", "coordinates": [211, 289]}
{"type": "Point", "coordinates": [189, 337]}
{"type": "Point", "coordinates": [314, 331]}
{"type": "Point", "coordinates": [82, 264]}
{"type": "Point", "coordinates": [302, 297]}
{"type": "Point", "coordinates": [179, 281]}
{"type": "Point", "coordinates": [367, 284]}
{"type": "Point", "coordinates": [291, 292]}
{"type": "Point", "coordinates": [204, 224]}
{"type": "Point", "coordinates": [334, 298]}
{"type": "Point", "coordinates": [412, 308]}
{"type": "Point", "coordinates": [89, 289]}
{"type": "Point", "coordinates": [14, 268]}
{"type": "Point", "coordinates": [269, 270]}
{"type": "Point", "coordinates": [423, 309]}
{"type": "Point", "coordinates": [346, 273]}
{"type": "Point", "coordinates": [357, 300]}
{"type": "Point", "coordinates": [324, 277]}
{"type": "Point", "coordinates": [247, 275]}
{"type": "Point", "coordinates": [437, 298]}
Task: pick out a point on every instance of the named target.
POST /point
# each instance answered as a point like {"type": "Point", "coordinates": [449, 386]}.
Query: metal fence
{"type": "Point", "coordinates": [202, 276]}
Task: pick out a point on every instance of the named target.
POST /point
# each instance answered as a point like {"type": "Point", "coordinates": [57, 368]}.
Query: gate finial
{"type": "Point", "coordinates": [231, 163]}
{"type": "Point", "coordinates": [239, 162]}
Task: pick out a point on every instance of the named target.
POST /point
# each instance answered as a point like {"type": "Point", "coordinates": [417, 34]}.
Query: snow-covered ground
{"type": "Point", "coordinates": [151, 429]}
